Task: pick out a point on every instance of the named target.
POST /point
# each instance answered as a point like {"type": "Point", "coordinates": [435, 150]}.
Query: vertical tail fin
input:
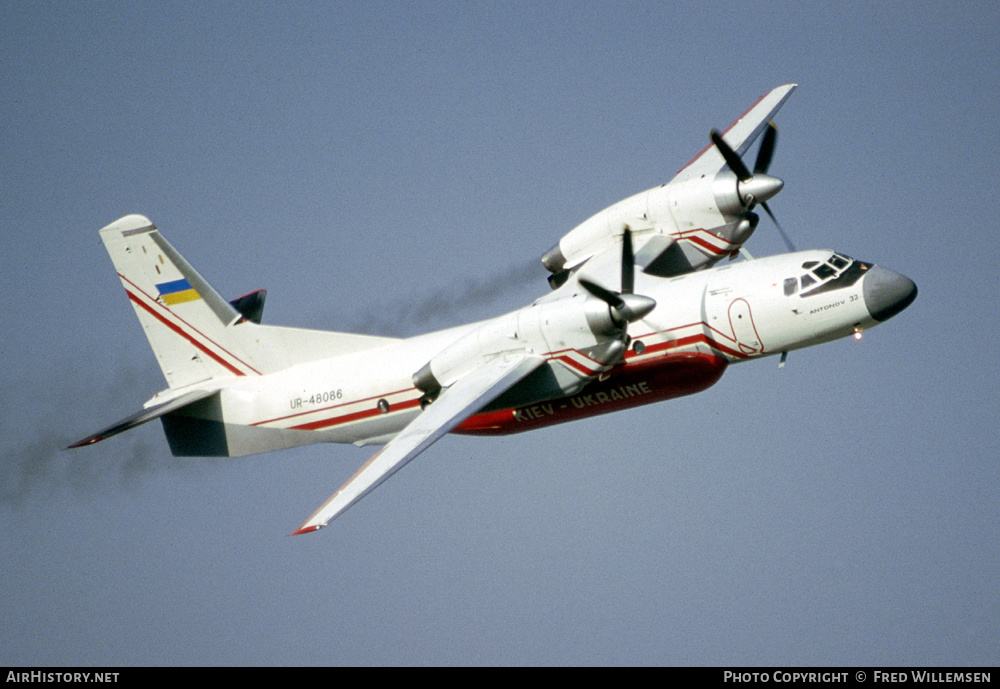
{"type": "Point", "coordinates": [184, 319]}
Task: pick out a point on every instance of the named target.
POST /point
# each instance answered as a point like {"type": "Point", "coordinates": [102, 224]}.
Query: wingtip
{"type": "Point", "coordinates": [307, 529]}
{"type": "Point", "coordinates": [85, 442]}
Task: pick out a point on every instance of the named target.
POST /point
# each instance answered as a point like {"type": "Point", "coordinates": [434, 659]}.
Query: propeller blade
{"type": "Point", "coordinates": [755, 188]}
{"type": "Point", "coordinates": [625, 308]}
{"type": "Point", "coordinates": [628, 263]}
{"type": "Point", "coordinates": [732, 160]}
{"type": "Point", "coordinates": [788, 242]}
{"type": "Point", "coordinates": [607, 296]}
{"type": "Point", "coordinates": [766, 149]}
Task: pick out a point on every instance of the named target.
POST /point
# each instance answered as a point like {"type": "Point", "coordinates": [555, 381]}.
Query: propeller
{"type": "Point", "coordinates": [755, 187]}
{"type": "Point", "coordinates": [624, 306]}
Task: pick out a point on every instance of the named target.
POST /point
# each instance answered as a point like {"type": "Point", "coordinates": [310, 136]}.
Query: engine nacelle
{"type": "Point", "coordinates": [581, 336]}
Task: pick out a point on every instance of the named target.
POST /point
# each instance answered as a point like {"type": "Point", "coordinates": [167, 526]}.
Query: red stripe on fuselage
{"type": "Point", "coordinates": [353, 416]}
{"type": "Point", "coordinates": [337, 406]}
{"type": "Point", "coordinates": [578, 365]}
{"type": "Point", "coordinates": [690, 340]}
{"type": "Point", "coordinates": [672, 372]}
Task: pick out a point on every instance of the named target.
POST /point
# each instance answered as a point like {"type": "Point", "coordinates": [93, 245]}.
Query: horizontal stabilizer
{"type": "Point", "coordinates": [145, 415]}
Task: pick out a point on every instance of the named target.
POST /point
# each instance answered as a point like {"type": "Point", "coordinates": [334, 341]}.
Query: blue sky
{"type": "Point", "coordinates": [396, 169]}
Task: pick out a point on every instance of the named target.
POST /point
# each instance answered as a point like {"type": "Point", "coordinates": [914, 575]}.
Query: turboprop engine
{"type": "Point", "coordinates": [703, 215]}
{"type": "Point", "coordinates": [582, 337]}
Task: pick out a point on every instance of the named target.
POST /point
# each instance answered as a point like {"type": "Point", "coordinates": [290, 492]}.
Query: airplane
{"type": "Point", "coordinates": [637, 314]}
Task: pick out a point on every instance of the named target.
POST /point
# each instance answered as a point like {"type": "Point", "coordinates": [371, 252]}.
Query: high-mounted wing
{"type": "Point", "coordinates": [693, 221]}
{"type": "Point", "coordinates": [740, 135]}
{"type": "Point", "coordinates": [453, 405]}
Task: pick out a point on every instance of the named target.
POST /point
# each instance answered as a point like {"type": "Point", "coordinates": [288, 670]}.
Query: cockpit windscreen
{"type": "Point", "coordinates": [835, 273]}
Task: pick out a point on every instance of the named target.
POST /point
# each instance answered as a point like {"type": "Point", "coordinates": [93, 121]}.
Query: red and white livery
{"type": "Point", "coordinates": [639, 313]}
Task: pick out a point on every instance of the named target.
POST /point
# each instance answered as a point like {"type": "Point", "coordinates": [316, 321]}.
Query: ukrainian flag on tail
{"type": "Point", "coordinates": [177, 292]}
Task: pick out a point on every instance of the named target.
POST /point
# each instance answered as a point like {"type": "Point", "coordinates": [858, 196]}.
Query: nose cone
{"type": "Point", "coordinates": [887, 293]}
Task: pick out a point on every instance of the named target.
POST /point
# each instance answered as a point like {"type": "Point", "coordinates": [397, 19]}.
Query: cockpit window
{"type": "Point", "coordinates": [824, 271]}
{"type": "Point", "coordinates": [835, 273]}
{"type": "Point", "coordinates": [791, 284]}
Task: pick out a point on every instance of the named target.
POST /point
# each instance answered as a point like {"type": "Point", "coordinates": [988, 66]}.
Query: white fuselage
{"type": "Point", "coordinates": [728, 314]}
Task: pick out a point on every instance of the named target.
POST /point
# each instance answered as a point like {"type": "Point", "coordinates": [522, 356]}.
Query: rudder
{"type": "Point", "coordinates": [184, 319]}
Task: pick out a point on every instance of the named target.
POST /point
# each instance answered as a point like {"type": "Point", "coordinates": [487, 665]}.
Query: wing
{"type": "Point", "coordinates": [454, 404]}
{"type": "Point", "coordinates": [740, 134]}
